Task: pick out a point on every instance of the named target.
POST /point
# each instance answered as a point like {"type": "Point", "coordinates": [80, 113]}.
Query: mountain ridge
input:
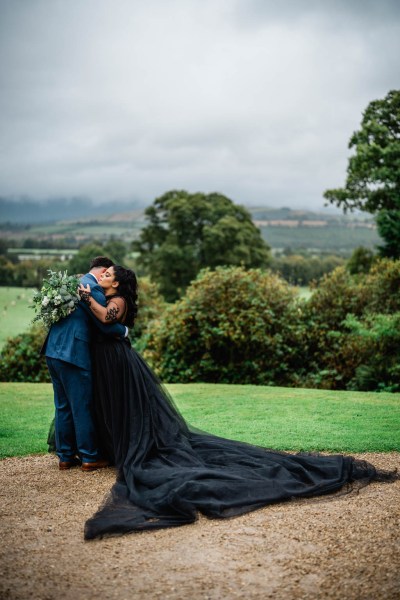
{"type": "Point", "coordinates": [81, 210]}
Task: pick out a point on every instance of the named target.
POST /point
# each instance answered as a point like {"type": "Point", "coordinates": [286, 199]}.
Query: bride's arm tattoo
{"type": "Point", "coordinates": [112, 313]}
{"type": "Point", "coordinates": [105, 314]}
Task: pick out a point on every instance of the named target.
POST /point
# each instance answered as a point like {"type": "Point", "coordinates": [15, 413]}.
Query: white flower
{"type": "Point", "coordinates": [57, 298]}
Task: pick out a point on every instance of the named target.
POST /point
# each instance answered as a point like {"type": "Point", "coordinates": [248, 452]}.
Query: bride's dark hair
{"type": "Point", "coordinates": [127, 288]}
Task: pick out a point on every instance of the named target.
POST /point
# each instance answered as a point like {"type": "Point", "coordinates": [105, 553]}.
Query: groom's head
{"type": "Point", "coordinates": [99, 264]}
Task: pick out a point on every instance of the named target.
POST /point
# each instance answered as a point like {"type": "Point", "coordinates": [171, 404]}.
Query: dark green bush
{"type": "Point", "coordinates": [27, 273]}
{"type": "Point", "coordinates": [381, 286]}
{"type": "Point", "coordinates": [233, 326]}
{"type": "Point", "coordinates": [151, 305]}
{"type": "Point", "coordinates": [360, 261]}
{"type": "Point", "coordinates": [302, 270]}
{"type": "Point", "coordinates": [336, 352]}
{"type": "Point", "coordinates": [21, 359]}
{"type": "Point", "coordinates": [378, 347]}
{"type": "Point", "coordinates": [7, 270]}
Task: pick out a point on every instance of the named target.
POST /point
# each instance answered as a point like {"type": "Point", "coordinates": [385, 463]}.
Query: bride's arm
{"type": "Point", "coordinates": [106, 314]}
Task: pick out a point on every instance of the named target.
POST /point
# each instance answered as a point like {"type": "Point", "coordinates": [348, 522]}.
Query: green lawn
{"type": "Point", "coordinates": [281, 418]}
{"type": "Point", "coordinates": [15, 312]}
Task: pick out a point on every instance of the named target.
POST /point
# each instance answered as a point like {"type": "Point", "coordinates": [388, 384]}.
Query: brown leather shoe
{"type": "Point", "coordinates": [68, 464]}
{"type": "Point", "coordinates": [93, 466]}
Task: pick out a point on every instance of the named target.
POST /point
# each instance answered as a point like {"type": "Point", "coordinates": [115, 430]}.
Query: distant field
{"type": "Point", "coordinates": [15, 313]}
{"type": "Point", "coordinates": [338, 238]}
{"type": "Point", "coordinates": [97, 230]}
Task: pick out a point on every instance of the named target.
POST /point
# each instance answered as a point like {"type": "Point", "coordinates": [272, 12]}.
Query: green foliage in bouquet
{"type": "Point", "coordinates": [57, 298]}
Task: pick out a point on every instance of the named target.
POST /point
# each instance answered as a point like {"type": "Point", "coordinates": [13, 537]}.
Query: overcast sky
{"type": "Point", "coordinates": [257, 99]}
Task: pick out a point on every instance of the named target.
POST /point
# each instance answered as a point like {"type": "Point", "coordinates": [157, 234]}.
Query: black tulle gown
{"type": "Point", "coordinates": [168, 471]}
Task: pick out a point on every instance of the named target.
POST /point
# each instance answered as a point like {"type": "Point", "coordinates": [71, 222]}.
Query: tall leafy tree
{"type": "Point", "coordinates": [388, 223]}
{"type": "Point", "coordinates": [373, 172]}
{"type": "Point", "coordinates": [116, 250]}
{"type": "Point", "coordinates": [79, 263]}
{"type": "Point", "coordinates": [187, 232]}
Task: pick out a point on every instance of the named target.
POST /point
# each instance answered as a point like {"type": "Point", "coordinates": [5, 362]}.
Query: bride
{"type": "Point", "coordinates": [167, 471]}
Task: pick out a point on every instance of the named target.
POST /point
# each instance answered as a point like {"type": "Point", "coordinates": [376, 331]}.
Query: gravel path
{"type": "Point", "coordinates": [346, 547]}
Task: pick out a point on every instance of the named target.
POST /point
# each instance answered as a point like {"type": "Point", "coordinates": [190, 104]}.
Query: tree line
{"type": "Point", "coordinates": [238, 325]}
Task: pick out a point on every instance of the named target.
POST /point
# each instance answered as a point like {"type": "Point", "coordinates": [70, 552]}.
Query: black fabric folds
{"type": "Point", "coordinates": [168, 471]}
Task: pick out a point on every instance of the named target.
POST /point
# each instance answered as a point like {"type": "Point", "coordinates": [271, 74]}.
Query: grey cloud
{"type": "Point", "coordinates": [355, 14]}
{"type": "Point", "coordinates": [257, 99]}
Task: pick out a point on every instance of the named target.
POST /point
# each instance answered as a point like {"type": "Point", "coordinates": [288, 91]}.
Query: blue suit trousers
{"type": "Point", "coordinates": [74, 427]}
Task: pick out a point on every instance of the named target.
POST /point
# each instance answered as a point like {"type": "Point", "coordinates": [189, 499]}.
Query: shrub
{"type": "Point", "coordinates": [151, 305]}
{"type": "Point", "coordinates": [381, 287]}
{"type": "Point", "coordinates": [336, 295]}
{"type": "Point", "coordinates": [302, 270]}
{"type": "Point", "coordinates": [27, 273]}
{"type": "Point", "coordinates": [378, 348]}
{"type": "Point", "coordinates": [6, 271]}
{"type": "Point", "coordinates": [360, 261]}
{"type": "Point", "coordinates": [336, 352]}
{"type": "Point", "coordinates": [21, 359]}
{"type": "Point", "coordinates": [233, 326]}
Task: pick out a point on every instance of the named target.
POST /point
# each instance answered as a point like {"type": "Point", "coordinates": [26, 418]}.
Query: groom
{"type": "Point", "coordinates": [67, 351]}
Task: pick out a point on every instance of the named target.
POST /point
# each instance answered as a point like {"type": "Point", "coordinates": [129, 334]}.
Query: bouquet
{"type": "Point", "coordinates": [57, 298]}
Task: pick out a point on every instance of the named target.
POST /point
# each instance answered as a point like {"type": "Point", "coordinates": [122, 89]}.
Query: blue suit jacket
{"type": "Point", "coordinates": [69, 338]}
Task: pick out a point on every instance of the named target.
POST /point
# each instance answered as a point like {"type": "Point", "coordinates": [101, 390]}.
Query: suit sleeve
{"type": "Point", "coordinates": [113, 329]}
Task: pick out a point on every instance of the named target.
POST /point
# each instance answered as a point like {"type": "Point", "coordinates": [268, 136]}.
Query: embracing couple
{"type": "Point", "coordinates": [68, 353]}
{"type": "Point", "coordinates": [112, 409]}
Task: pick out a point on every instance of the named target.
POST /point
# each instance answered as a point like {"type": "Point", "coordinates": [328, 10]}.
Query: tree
{"type": "Point", "coordinates": [116, 250]}
{"type": "Point", "coordinates": [187, 232]}
{"type": "Point", "coordinates": [298, 269]}
{"type": "Point", "coordinates": [113, 249]}
{"type": "Point", "coordinates": [373, 172]}
{"type": "Point", "coordinates": [360, 261]}
{"type": "Point", "coordinates": [388, 222]}
{"type": "Point", "coordinates": [80, 262]}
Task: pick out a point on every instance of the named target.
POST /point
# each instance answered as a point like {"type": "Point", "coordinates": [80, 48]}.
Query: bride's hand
{"type": "Point", "coordinates": [82, 288]}
{"type": "Point", "coordinates": [84, 293]}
